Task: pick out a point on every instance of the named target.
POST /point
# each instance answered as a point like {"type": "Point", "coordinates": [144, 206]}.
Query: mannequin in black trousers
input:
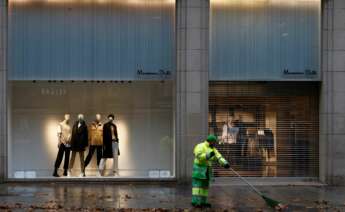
{"type": "Point", "coordinates": [63, 150]}
{"type": "Point", "coordinates": [92, 150]}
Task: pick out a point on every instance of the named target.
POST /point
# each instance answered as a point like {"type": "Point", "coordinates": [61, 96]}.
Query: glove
{"type": "Point", "coordinates": [210, 155]}
{"type": "Point", "coordinates": [227, 166]}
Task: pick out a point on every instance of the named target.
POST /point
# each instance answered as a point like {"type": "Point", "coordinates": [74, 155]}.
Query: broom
{"type": "Point", "coordinates": [269, 201]}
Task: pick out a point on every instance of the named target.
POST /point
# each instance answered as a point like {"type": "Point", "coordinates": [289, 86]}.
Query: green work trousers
{"type": "Point", "coordinates": [199, 191]}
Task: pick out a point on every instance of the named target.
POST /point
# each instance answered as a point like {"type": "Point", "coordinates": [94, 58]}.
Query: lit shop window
{"type": "Point", "coordinates": [121, 130]}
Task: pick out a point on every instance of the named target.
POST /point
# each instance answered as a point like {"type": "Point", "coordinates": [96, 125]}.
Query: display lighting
{"type": "Point", "coordinates": [258, 3]}
{"type": "Point", "coordinates": [125, 160]}
{"type": "Point", "coordinates": [84, 81]}
{"type": "Point", "coordinates": [50, 136]}
{"type": "Point", "coordinates": [144, 3]}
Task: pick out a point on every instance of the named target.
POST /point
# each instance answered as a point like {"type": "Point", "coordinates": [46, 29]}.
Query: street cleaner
{"type": "Point", "coordinates": [205, 155]}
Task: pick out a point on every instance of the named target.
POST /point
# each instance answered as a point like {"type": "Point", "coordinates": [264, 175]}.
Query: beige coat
{"type": "Point", "coordinates": [64, 133]}
{"type": "Point", "coordinates": [96, 134]}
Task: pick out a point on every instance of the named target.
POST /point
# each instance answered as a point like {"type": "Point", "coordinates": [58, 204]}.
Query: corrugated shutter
{"type": "Point", "coordinates": [266, 129]}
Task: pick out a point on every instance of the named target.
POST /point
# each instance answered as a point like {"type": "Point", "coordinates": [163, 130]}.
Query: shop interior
{"type": "Point", "coordinates": [264, 132]}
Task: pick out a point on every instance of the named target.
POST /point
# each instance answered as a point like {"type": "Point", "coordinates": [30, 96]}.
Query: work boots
{"type": "Point", "coordinates": [204, 205]}
{"type": "Point", "coordinates": [207, 205]}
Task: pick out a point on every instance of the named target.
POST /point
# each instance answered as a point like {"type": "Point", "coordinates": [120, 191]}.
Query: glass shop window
{"type": "Point", "coordinates": [266, 129]}
{"type": "Point", "coordinates": [91, 129]}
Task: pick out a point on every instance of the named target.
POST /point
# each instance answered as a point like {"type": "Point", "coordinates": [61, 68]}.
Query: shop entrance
{"type": "Point", "coordinates": [266, 129]}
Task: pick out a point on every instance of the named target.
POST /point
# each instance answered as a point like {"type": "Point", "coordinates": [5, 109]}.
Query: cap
{"type": "Point", "coordinates": [212, 138]}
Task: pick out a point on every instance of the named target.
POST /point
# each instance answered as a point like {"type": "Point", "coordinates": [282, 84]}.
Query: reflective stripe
{"type": "Point", "coordinates": [222, 161]}
{"type": "Point", "coordinates": [200, 192]}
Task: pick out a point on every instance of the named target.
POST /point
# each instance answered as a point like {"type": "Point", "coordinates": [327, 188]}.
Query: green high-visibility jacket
{"type": "Point", "coordinates": [202, 168]}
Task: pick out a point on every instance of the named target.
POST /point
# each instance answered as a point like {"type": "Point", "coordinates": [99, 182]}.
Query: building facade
{"type": "Point", "coordinates": [264, 76]}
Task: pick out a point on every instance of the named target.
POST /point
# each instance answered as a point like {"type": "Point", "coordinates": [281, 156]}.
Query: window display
{"type": "Point", "coordinates": [93, 70]}
{"type": "Point", "coordinates": [79, 142]}
{"type": "Point", "coordinates": [64, 137]}
{"type": "Point", "coordinates": [230, 132]}
{"type": "Point", "coordinates": [95, 140]}
{"type": "Point", "coordinates": [110, 145]}
{"type": "Point", "coordinates": [266, 129]}
{"type": "Point", "coordinates": [96, 121]}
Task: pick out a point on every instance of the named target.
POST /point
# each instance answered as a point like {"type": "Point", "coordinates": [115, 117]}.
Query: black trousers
{"type": "Point", "coordinates": [62, 150]}
{"type": "Point", "coordinates": [92, 149]}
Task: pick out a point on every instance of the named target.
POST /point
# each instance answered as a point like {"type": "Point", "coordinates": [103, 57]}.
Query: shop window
{"type": "Point", "coordinates": [87, 60]}
{"type": "Point", "coordinates": [143, 116]}
{"type": "Point", "coordinates": [266, 129]}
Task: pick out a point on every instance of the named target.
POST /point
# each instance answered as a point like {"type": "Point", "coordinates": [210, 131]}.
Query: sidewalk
{"type": "Point", "coordinates": [110, 196]}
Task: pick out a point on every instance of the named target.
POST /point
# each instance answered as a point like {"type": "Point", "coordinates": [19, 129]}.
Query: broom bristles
{"type": "Point", "coordinates": [270, 202]}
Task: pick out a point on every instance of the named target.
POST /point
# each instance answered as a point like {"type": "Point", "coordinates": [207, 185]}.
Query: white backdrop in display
{"type": "Point", "coordinates": [143, 114]}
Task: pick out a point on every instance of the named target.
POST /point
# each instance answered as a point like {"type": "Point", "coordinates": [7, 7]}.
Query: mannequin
{"type": "Point", "coordinates": [64, 133]}
{"type": "Point", "coordinates": [230, 132]}
{"type": "Point", "coordinates": [110, 145]}
{"type": "Point", "coordinates": [242, 138]}
{"type": "Point", "coordinates": [229, 137]}
{"type": "Point", "coordinates": [79, 142]}
{"type": "Point", "coordinates": [267, 146]}
{"type": "Point", "coordinates": [95, 140]}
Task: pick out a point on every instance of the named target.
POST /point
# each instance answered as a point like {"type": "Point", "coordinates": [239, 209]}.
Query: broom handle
{"type": "Point", "coordinates": [244, 180]}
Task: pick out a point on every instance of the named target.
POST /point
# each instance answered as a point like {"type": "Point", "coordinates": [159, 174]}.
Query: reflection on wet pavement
{"type": "Point", "coordinates": [109, 196]}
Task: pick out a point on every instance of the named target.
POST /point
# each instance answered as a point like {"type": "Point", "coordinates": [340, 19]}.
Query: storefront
{"type": "Point", "coordinates": [264, 86]}
{"type": "Point", "coordinates": [267, 129]}
{"type": "Point", "coordinates": [91, 89]}
{"type": "Point", "coordinates": [169, 72]}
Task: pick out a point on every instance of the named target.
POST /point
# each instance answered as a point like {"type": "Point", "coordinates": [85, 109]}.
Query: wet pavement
{"type": "Point", "coordinates": [165, 196]}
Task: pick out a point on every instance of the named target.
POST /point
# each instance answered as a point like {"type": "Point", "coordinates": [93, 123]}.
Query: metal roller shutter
{"type": "Point", "coordinates": [266, 128]}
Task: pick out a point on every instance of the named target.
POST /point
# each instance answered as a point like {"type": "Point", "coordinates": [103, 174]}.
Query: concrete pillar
{"type": "Point", "coordinates": [332, 108]}
{"type": "Point", "coordinates": [192, 30]}
{"type": "Point", "coordinates": [3, 88]}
